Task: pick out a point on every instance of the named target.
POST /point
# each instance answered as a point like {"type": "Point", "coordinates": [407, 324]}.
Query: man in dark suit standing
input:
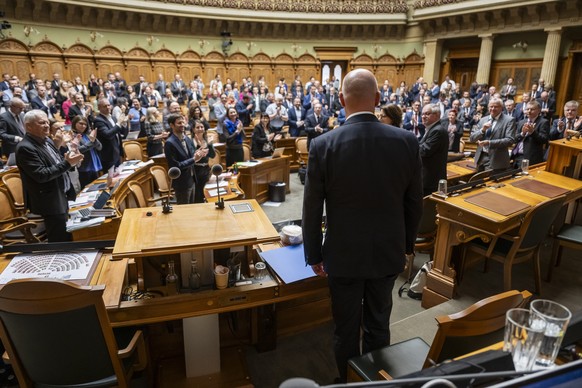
{"type": "Point", "coordinates": [45, 179]}
{"type": "Point", "coordinates": [434, 149]}
{"type": "Point", "coordinates": [368, 233]}
{"type": "Point", "coordinates": [494, 134]}
{"type": "Point", "coordinates": [296, 115]}
{"type": "Point", "coordinates": [413, 121]}
{"type": "Point", "coordinates": [333, 103]}
{"type": "Point", "coordinates": [548, 106]}
{"type": "Point", "coordinates": [531, 137]}
{"type": "Point", "coordinates": [315, 124]}
{"type": "Point", "coordinates": [180, 152]}
{"type": "Point", "coordinates": [12, 126]}
{"type": "Point", "coordinates": [110, 134]}
{"type": "Point", "coordinates": [41, 102]}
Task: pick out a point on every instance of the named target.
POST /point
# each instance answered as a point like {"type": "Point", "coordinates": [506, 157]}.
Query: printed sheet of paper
{"type": "Point", "coordinates": [53, 265]}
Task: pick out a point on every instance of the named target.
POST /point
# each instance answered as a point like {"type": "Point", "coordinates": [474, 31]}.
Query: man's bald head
{"type": "Point", "coordinates": [359, 91]}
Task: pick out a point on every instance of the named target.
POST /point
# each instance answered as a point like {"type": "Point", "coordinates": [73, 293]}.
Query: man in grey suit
{"type": "Point", "coordinates": [220, 112]}
{"type": "Point", "coordinates": [494, 134]}
{"type": "Point", "coordinates": [372, 212]}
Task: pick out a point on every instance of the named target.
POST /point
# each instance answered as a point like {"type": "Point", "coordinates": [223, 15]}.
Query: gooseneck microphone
{"type": "Point", "coordinates": [173, 173]}
{"type": "Point", "coordinates": [216, 171]}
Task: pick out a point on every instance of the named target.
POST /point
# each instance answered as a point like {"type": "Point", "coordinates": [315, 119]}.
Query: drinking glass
{"type": "Point", "coordinates": [525, 166]}
{"type": "Point", "coordinates": [557, 317]}
{"type": "Point", "coordinates": [523, 337]}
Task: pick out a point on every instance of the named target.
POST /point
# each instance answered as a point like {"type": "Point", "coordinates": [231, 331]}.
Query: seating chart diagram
{"type": "Point", "coordinates": [54, 265]}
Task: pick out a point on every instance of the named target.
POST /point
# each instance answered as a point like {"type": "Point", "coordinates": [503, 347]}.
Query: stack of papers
{"type": "Point", "coordinates": [76, 224]}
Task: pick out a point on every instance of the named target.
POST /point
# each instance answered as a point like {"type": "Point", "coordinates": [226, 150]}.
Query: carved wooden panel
{"type": "Point", "coordinates": [190, 55]}
{"type": "Point", "coordinates": [46, 47]}
{"type": "Point", "coordinates": [261, 57]}
{"type": "Point", "coordinates": [13, 46]}
{"type": "Point", "coordinates": [238, 57]}
{"type": "Point", "coordinates": [525, 73]}
{"type": "Point", "coordinates": [79, 49]}
{"type": "Point", "coordinates": [74, 71]}
{"type": "Point", "coordinates": [138, 52]}
{"type": "Point", "coordinates": [41, 69]}
{"type": "Point", "coordinates": [7, 65]}
{"type": "Point", "coordinates": [110, 51]}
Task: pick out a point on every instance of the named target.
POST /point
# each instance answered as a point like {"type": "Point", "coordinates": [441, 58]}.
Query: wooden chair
{"type": "Point", "coordinates": [15, 228]}
{"type": "Point", "coordinates": [13, 184]}
{"type": "Point", "coordinates": [285, 132]}
{"type": "Point", "coordinates": [132, 150]}
{"type": "Point", "coordinates": [212, 136]}
{"type": "Point", "coordinates": [160, 176]}
{"type": "Point", "coordinates": [301, 149]}
{"type": "Point", "coordinates": [139, 196]}
{"type": "Point", "coordinates": [479, 325]}
{"type": "Point", "coordinates": [426, 236]}
{"type": "Point", "coordinates": [246, 152]}
{"type": "Point", "coordinates": [569, 236]}
{"type": "Point", "coordinates": [521, 245]}
{"type": "Point", "coordinates": [216, 159]}
{"type": "Point", "coordinates": [57, 333]}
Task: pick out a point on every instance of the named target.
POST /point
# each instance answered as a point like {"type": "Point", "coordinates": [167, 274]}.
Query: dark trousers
{"type": "Point", "coordinates": [86, 177]}
{"type": "Point", "coordinates": [184, 196]}
{"type": "Point", "coordinates": [234, 155]}
{"type": "Point", "coordinates": [202, 176]}
{"type": "Point", "coordinates": [56, 227]}
{"type": "Point", "coordinates": [360, 302]}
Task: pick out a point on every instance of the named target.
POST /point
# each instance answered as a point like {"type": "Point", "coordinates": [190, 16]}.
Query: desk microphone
{"type": "Point", "coordinates": [216, 171]}
{"type": "Point", "coordinates": [173, 173]}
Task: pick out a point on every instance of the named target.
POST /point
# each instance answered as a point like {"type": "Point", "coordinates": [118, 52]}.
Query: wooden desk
{"type": "Point", "coordinates": [565, 157]}
{"type": "Point", "coordinates": [460, 222]}
{"type": "Point", "coordinates": [120, 200]}
{"type": "Point", "coordinates": [233, 191]}
{"type": "Point", "coordinates": [254, 180]}
{"type": "Point", "coordinates": [290, 150]}
{"type": "Point", "coordinates": [460, 170]}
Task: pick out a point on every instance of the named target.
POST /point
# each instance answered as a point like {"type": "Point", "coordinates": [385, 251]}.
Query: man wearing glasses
{"type": "Point", "coordinates": [434, 149]}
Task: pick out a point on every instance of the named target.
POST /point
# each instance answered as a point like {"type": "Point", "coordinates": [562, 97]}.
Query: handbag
{"type": "Point", "coordinates": [418, 282]}
{"type": "Point", "coordinates": [267, 147]}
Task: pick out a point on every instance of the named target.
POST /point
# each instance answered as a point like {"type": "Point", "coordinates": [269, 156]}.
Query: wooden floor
{"type": "Point", "coordinates": [171, 372]}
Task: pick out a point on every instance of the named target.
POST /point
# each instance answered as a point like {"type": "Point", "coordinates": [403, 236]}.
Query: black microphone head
{"type": "Point", "coordinates": [174, 173]}
{"type": "Point", "coordinates": [216, 169]}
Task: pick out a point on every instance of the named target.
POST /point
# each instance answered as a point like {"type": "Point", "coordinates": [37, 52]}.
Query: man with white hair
{"type": "Point", "coordinates": [277, 113]}
{"type": "Point", "coordinates": [45, 179]}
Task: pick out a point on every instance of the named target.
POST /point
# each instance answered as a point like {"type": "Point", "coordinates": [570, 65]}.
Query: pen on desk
{"type": "Point", "coordinates": [243, 283]}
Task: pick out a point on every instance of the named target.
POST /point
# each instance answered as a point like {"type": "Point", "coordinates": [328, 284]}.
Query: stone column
{"type": "Point", "coordinates": [551, 54]}
{"type": "Point", "coordinates": [485, 55]}
{"type": "Point", "coordinates": [432, 59]}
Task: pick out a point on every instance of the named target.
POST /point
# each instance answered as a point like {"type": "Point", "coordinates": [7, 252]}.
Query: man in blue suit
{"type": "Point", "coordinates": [296, 115]}
{"type": "Point", "coordinates": [180, 152]}
{"type": "Point", "coordinates": [367, 236]}
{"type": "Point", "coordinates": [413, 121]}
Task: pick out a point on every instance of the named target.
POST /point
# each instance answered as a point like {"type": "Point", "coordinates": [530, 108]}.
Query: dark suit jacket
{"type": "Point", "coordinates": [407, 124]}
{"type": "Point", "coordinates": [311, 123]}
{"type": "Point", "coordinates": [555, 132]}
{"type": "Point", "coordinates": [551, 105]}
{"type": "Point", "coordinates": [75, 111]}
{"type": "Point", "coordinates": [8, 130]}
{"type": "Point", "coordinates": [519, 111]}
{"type": "Point", "coordinates": [533, 145]}
{"type": "Point", "coordinates": [42, 180]}
{"type": "Point", "coordinates": [372, 210]}
{"type": "Point", "coordinates": [111, 137]}
{"type": "Point", "coordinates": [176, 157]}
{"type": "Point", "coordinates": [36, 103]}
{"type": "Point", "coordinates": [336, 103]}
{"type": "Point", "coordinates": [434, 149]}
{"type": "Point", "coordinates": [293, 119]}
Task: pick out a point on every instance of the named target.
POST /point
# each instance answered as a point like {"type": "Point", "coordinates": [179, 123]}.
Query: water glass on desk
{"type": "Point", "coordinates": [523, 337]}
{"type": "Point", "coordinates": [557, 317]}
{"type": "Point", "coordinates": [525, 166]}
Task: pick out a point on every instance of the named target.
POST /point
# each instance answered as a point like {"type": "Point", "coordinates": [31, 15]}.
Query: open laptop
{"type": "Point", "coordinates": [278, 152]}
{"type": "Point", "coordinates": [97, 205]}
{"type": "Point", "coordinates": [133, 135]}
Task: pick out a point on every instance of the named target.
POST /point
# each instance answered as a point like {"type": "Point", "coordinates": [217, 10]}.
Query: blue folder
{"type": "Point", "coordinates": [288, 263]}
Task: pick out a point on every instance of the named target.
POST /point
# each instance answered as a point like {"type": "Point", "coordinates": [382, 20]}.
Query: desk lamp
{"type": "Point", "coordinates": [216, 171]}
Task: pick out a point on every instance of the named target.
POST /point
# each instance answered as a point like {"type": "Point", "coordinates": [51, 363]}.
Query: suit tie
{"type": "Point", "coordinates": [19, 122]}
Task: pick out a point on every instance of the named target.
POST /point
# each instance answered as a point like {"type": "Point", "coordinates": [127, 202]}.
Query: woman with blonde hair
{"type": "Point", "coordinates": [155, 132]}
